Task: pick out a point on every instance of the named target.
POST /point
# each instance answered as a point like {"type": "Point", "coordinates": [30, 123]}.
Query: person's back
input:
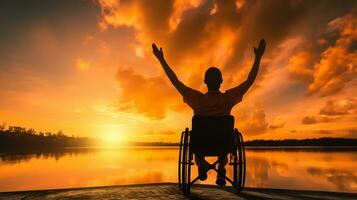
{"type": "Point", "coordinates": [214, 102]}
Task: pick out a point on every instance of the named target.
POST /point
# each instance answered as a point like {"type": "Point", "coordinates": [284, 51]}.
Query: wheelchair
{"type": "Point", "coordinates": [211, 136]}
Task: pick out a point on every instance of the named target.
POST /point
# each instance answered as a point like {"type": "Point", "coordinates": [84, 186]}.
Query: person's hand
{"type": "Point", "coordinates": [260, 50]}
{"type": "Point", "coordinates": [157, 52]}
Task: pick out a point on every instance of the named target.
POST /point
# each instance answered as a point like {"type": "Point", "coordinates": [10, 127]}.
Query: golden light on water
{"type": "Point", "coordinates": [290, 169]}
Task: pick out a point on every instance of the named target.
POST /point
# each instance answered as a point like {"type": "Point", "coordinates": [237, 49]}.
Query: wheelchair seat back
{"type": "Point", "coordinates": [212, 136]}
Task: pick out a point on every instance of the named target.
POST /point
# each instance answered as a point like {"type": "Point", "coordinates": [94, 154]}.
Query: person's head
{"type": "Point", "coordinates": [213, 78]}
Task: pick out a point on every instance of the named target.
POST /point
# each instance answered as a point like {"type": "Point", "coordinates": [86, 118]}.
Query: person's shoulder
{"type": "Point", "coordinates": [228, 92]}
{"type": "Point", "coordinates": [194, 90]}
{"type": "Point", "coordinates": [190, 92]}
{"type": "Point", "coordinates": [233, 95]}
{"type": "Point", "coordinates": [234, 91]}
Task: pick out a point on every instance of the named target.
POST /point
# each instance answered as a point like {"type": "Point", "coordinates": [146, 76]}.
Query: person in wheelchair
{"type": "Point", "coordinates": [213, 102]}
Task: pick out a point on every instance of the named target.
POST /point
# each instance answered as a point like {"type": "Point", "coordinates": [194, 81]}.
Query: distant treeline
{"type": "Point", "coordinates": [305, 142]}
{"type": "Point", "coordinates": [287, 142]}
{"type": "Point", "coordinates": [19, 139]}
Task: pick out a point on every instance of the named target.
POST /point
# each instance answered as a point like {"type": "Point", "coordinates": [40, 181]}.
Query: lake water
{"type": "Point", "coordinates": [301, 168]}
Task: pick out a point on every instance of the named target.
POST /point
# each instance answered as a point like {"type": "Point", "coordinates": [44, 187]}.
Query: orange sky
{"type": "Point", "coordinates": [86, 67]}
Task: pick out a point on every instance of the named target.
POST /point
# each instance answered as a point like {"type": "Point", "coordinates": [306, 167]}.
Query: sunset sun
{"type": "Point", "coordinates": [112, 137]}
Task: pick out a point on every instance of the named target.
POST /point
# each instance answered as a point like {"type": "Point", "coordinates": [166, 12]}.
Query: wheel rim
{"type": "Point", "coordinates": [243, 160]}
{"type": "Point", "coordinates": [239, 163]}
{"type": "Point", "coordinates": [188, 178]}
{"type": "Point", "coordinates": [180, 162]}
{"type": "Point", "coordinates": [185, 163]}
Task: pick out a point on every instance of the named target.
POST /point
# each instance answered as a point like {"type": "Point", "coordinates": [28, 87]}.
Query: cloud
{"type": "Point", "coordinates": [324, 132]}
{"type": "Point", "coordinates": [205, 32]}
{"type": "Point", "coordinates": [272, 20]}
{"type": "Point", "coordinates": [316, 119]}
{"type": "Point", "coordinates": [352, 133]}
{"type": "Point", "coordinates": [340, 107]}
{"type": "Point", "coordinates": [334, 109]}
{"type": "Point", "coordinates": [149, 18]}
{"type": "Point", "coordinates": [40, 48]}
{"type": "Point", "coordinates": [197, 34]}
{"type": "Point", "coordinates": [309, 120]}
{"type": "Point", "coordinates": [327, 72]}
{"type": "Point", "coordinates": [150, 96]}
{"type": "Point", "coordinates": [255, 124]}
{"type": "Point", "coordinates": [277, 123]}
{"type": "Point", "coordinates": [300, 66]}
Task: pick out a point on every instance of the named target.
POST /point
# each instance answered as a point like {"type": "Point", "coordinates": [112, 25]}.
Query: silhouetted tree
{"type": "Point", "coordinates": [16, 138]}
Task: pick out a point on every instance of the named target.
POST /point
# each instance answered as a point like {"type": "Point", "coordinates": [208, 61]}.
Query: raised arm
{"type": "Point", "coordinates": [171, 74]}
{"type": "Point", "coordinates": [243, 87]}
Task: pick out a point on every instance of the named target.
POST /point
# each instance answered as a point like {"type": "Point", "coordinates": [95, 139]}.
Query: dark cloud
{"type": "Point", "coordinates": [324, 132]}
{"type": "Point", "coordinates": [190, 32]}
{"type": "Point", "coordinates": [316, 119]}
{"type": "Point", "coordinates": [272, 20]}
{"type": "Point", "coordinates": [309, 120]}
{"type": "Point", "coordinates": [277, 123]}
{"type": "Point", "coordinates": [156, 15]}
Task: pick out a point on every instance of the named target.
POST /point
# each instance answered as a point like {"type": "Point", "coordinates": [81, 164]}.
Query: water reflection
{"type": "Point", "coordinates": [16, 158]}
{"type": "Point", "coordinates": [343, 179]}
{"type": "Point", "coordinates": [313, 169]}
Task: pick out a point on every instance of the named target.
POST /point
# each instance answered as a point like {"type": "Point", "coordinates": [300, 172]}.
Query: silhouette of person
{"type": "Point", "coordinates": [214, 102]}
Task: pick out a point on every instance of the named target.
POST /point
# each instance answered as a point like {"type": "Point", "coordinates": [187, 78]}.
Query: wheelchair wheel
{"type": "Point", "coordinates": [239, 162]}
{"type": "Point", "coordinates": [184, 167]}
{"type": "Point", "coordinates": [180, 160]}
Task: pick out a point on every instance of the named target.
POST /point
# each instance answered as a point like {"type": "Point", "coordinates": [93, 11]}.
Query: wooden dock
{"type": "Point", "coordinates": [165, 191]}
